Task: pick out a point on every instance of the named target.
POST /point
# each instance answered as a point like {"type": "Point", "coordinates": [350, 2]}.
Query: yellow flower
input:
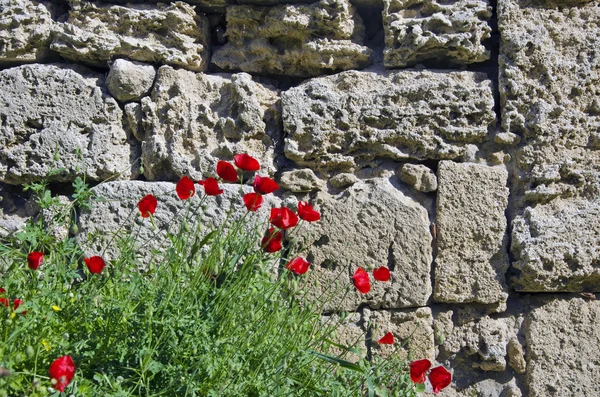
{"type": "Point", "coordinates": [13, 315]}
{"type": "Point", "coordinates": [46, 345]}
{"type": "Point", "coordinates": [56, 308]}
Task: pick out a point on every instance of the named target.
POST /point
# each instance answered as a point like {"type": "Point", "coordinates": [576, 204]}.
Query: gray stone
{"type": "Point", "coordinates": [415, 327]}
{"type": "Point", "coordinates": [556, 246]}
{"type": "Point", "coordinates": [349, 333]}
{"type": "Point", "coordinates": [472, 254]}
{"type": "Point", "coordinates": [562, 354]}
{"type": "Point", "coordinates": [516, 356]}
{"type": "Point", "coordinates": [16, 208]}
{"type": "Point", "coordinates": [294, 39]}
{"type": "Point", "coordinates": [342, 122]}
{"type": "Point", "coordinates": [370, 224]}
{"type": "Point", "coordinates": [444, 31]}
{"type": "Point", "coordinates": [117, 215]}
{"type": "Point", "coordinates": [130, 81]}
{"type": "Point", "coordinates": [192, 120]}
{"type": "Point", "coordinates": [507, 138]}
{"type": "Point", "coordinates": [343, 180]}
{"type": "Point", "coordinates": [25, 29]}
{"type": "Point", "coordinates": [96, 33]}
{"type": "Point", "coordinates": [133, 121]}
{"type": "Point", "coordinates": [52, 117]}
{"type": "Point", "coordinates": [418, 176]}
{"type": "Point", "coordinates": [299, 181]}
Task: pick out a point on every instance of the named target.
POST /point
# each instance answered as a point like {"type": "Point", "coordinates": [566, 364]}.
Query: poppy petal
{"type": "Point", "coordinates": [246, 162]}
{"type": "Point", "coordinates": [62, 371]}
{"type": "Point", "coordinates": [264, 185]}
{"type": "Point", "coordinates": [34, 259]}
{"type": "Point", "coordinates": [147, 205]}
{"type": "Point", "coordinates": [226, 171]}
{"type": "Point", "coordinates": [361, 281]}
{"type": "Point", "coordinates": [307, 213]}
{"type": "Point", "coordinates": [95, 264]}
{"type": "Point", "coordinates": [211, 187]}
{"type": "Point", "coordinates": [298, 265]}
{"type": "Point", "coordinates": [284, 218]}
{"type": "Point", "coordinates": [387, 339]}
{"type": "Point", "coordinates": [439, 377]}
{"type": "Point", "coordinates": [185, 188]}
{"type": "Point", "coordinates": [272, 241]}
{"type": "Point", "coordinates": [252, 201]}
{"type": "Point", "coordinates": [381, 274]}
{"type": "Point", "coordinates": [418, 370]}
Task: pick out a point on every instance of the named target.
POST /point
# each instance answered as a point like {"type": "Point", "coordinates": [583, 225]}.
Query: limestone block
{"type": "Point", "coordinates": [563, 358]}
{"type": "Point", "coordinates": [348, 332]}
{"type": "Point", "coordinates": [25, 29]}
{"type": "Point", "coordinates": [343, 122]}
{"type": "Point", "coordinates": [294, 39]}
{"type": "Point", "coordinates": [172, 34]}
{"type": "Point", "coordinates": [16, 207]}
{"type": "Point", "coordinates": [516, 356]}
{"type": "Point", "coordinates": [415, 326]}
{"type": "Point", "coordinates": [445, 31]}
{"type": "Point", "coordinates": [472, 254]}
{"type": "Point", "coordinates": [418, 176]}
{"type": "Point", "coordinates": [556, 246]}
{"type": "Point", "coordinates": [133, 120]}
{"type": "Point", "coordinates": [130, 81]}
{"type": "Point", "coordinates": [192, 120]}
{"type": "Point", "coordinates": [55, 110]}
{"type": "Point", "coordinates": [370, 223]}
{"type": "Point", "coordinates": [343, 180]}
{"type": "Point", "coordinates": [303, 180]}
{"type": "Point", "coordinates": [119, 207]}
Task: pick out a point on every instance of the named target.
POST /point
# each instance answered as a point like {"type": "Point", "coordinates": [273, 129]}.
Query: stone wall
{"type": "Point", "coordinates": [456, 142]}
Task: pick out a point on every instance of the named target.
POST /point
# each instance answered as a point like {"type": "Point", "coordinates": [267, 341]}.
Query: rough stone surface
{"type": "Point", "coordinates": [192, 120]}
{"type": "Point", "coordinates": [172, 34]}
{"type": "Point", "coordinates": [344, 121]}
{"type": "Point", "coordinates": [343, 180]}
{"type": "Point", "coordinates": [15, 209]}
{"type": "Point", "coordinates": [48, 110]}
{"type": "Point", "coordinates": [516, 356]}
{"type": "Point", "coordinates": [420, 30]}
{"type": "Point", "coordinates": [562, 354]}
{"type": "Point", "coordinates": [133, 120]}
{"type": "Point", "coordinates": [299, 181]}
{"type": "Point", "coordinates": [556, 246]}
{"type": "Point", "coordinates": [25, 29]}
{"type": "Point", "coordinates": [294, 39]}
{"type": "Point", "coordinates": [371, 223]}
{"type": "Point", "coordinates": [412, 326]}
{"type": "Point", "coordinates": [349, 332]}
{"type": "Point", "coordinates": [97, 226]}
{"type": "Point", "coordinates": [472, 254]}
{"type": "Point", "coordinates": [130, 81]}
{"type": "Point", "coordinates": [418, 176]}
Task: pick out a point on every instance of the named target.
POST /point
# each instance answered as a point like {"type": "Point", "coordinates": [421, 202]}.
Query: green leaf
{"type": "Point", "coordinates": [420, 387]}
{"type": "Point", "coordinates": [338, 361]}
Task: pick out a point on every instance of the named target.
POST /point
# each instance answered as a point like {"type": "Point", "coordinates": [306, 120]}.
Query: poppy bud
{"type": "Point", "coordinates": [29, 351]}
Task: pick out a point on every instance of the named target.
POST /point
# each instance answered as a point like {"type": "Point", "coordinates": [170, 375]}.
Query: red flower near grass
{"type": "Point", "coordinates": [34, 259]}
{"type": "Point", "coordinates": [17, 303]}
{"type": "Point", "coordinates": [418, 370]}
{"type": "Point", "coordinates": [3, 298]}
{"type": "Point", "coordinates": [211, 187]}
{"type": "Point", "coordinates": [246, 162]}
{"type": "Point", "coordinates": [147, 205]}
{"type": "Point", "coordinates": [253, 201]}
{"type": "Point", "coordinates": [381, 274]}
{"type": "Point", "coordinates": [95, 264]}
{"type": "Point", "coordinates": [298, 265]}
{"type": "Point", "coordinates": [307, 213]}
{"type": "Point", "coordinates": [226, 171]}
{"type": "Point", "coordinates": [284, 218]}
{"type": "Point", "coordinates": [439, 377]}
{"type": "Point", "coordinates": [361, 281]}
{"type": "Point", "coordinates": [185, 188]}
{"type": "Point", "coordinates": [264, 185]}
{"type": "Point", "coordinates": [272, 241]}
{"type": "Point", "coordinates": [62, 371]}
{"type": "Point", "coordinates": [387, 339]}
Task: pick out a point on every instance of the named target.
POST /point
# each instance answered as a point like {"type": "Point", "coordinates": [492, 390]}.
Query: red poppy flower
{"type": "Point", "coordinates": [226, 171]}
{"type": "Point", "coordinates": [284, 218]}
{"type": "Point", "coordinates": [272, 241]}
{"type": "Point", "coordinates": [34, 259]}
{"type": "Point", "coordinates": [211, 187]}
{"type": "Point", "coordinates": [253, 201]}
{"type": "Point", "coordinates": [264, 185]}
{"type": "Point", "coordinates": [95, 264]}
{"type": "Point", "coordinates": [62, 371]}
{"type": "Point", "coordinates": [185, 188]}
{"type": "Point", "coordinates": [387, 339]}
{"type": "Point", "coordinates": [439, 378]}
{"type": "Point", "coordinates": [307, 213]}
{"type": "Point", "coordinates": [298, 265]}
{"type": "Point", "coordinates": [147, 205]}
{"type": "Point", "coordinates": [418, 369]}
{"type": "Point", "coordinates": [361, 281]}
{"type": "Point", "coordinates": [3, 298]}
{"type": "Point", "coordinates": [381, 274]}
{"type": "Point", "coordinates": [17, 303]}
{"type": "Point", "coordinates": [246, 162]}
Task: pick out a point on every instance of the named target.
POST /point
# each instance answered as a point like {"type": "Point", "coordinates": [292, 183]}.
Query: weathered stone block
{"type": "Point", "coordinates": [413, 326]}
{"type": "Point", "coordinates": [420, 30]}
{"type": "Point", "coordinates": [172, 34]}
{"type": "Point", "coordinates": [562, 354]}
{"type": "Point", "coordinates": [349, 332]}
{"type": "Point", "coordinates": [192, 120]}
{"type": "Point", "coordinates": [25, 29]}
{"type": "Point", "coordinates": [53, 110]}
{"type": "Point", "coordinates": [371, 223]}
{"type": "Point", "coordinates": [345, 121]}
{"type": "Point", "coordinates": [129, 81]}
{"type": "Point", "coordinates": [472, 254]}
{"type": "Point", "coordinates": [294, 39]}
{"type": "Point", "coordinates": [419, 176]}
{"type": "Point", "coordinates": [299, 181]}
{"type": "Point", "coordinates": [557, 246]}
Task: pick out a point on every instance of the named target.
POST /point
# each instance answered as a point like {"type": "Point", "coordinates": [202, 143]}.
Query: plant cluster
{"type": "Point", "coordinates": [218, 311]}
